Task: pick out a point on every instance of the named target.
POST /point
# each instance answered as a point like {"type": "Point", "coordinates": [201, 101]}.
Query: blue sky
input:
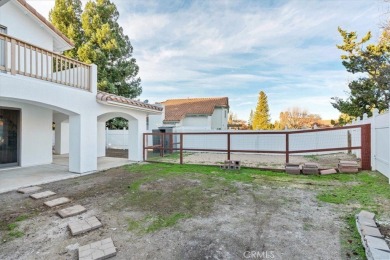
{"type": "Point", "coordinates": [238, 48]}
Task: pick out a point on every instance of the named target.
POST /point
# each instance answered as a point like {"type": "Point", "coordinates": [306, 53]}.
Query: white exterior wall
{"type": "Point", "coordinates": [197, 121]}
{"type": "Point", "coordinates": [35, 133]}
{"type": "Point", "coordinates": [21, 26]}
{"type": "Point", "coordinates": [219, 119]}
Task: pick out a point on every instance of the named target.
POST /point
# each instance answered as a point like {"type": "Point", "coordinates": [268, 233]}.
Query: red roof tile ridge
{"type": "Point", "coordinates": [106, 97]}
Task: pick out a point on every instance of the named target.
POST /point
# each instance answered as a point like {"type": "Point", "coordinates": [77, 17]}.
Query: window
{"type": "Point", "coordinates": [225, 113]}
{"type": "Point", "coordinates": [3, 30]}
{"type": "Point", "coordinates": [147, 123]}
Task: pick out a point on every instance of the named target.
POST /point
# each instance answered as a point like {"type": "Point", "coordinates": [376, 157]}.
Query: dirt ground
{"type": "Point", "coordinates": [227, 221]}
{"type": "Point", "coordinates": [275, 161]}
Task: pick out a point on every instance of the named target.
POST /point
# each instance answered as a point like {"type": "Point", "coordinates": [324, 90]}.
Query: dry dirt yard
{"type": "Point", "coordinates": [273, 161]}
{"type": "Point", "coordinates": [162, 211]}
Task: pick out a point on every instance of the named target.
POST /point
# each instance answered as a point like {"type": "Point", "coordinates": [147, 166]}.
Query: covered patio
{"type": "Point", "coordinates": [17, 177]}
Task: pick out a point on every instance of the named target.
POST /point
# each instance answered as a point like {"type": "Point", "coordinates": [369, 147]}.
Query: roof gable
{"type": "Point", "coordinates": [177, 109]}
{"type": "Point", "coordinates": [61, 42]}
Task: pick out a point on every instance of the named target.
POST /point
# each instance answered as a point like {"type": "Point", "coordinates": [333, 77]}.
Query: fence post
{"type": "Point", "coordinates": [143, 146]}
{"type": "Point", "coordinates": [365, 133]}
{"type": "Point", "coordinates": [228, 146]}
{"type": "Point", "coordinates": [181, 148]}
{"type": "Point", "coordinates": [287, 148]}
{"type": "Point", "coordinates": [375, 114]}
{"type": "Point", "coordinates": [163, 144]}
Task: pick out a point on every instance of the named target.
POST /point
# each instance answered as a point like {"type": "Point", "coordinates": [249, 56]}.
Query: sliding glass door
{"type": "Point", "coordinates": [9, 142]}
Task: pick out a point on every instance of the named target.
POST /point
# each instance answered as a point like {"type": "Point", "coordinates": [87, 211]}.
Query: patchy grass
{"type": "Point", "coordinates": [351, 242]}
{"type": "Point", "coordinates": [365, 190]}
{"type": "Point", "coordinates": [11, 229]}
{"type": "Point", "coordinates": [151, 224]}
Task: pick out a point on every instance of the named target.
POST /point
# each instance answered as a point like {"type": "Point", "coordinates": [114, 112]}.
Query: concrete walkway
{"type": "Point", "coordinates": [15, 178]}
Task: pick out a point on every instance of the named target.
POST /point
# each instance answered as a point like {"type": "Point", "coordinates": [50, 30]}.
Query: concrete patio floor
{"type": "Point", "coordinates": [17, 177]}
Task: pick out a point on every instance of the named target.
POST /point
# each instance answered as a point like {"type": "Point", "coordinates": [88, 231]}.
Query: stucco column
{"type": "Point", "coordinates": [61, 145]}
{"type": "Point", "coordinates": [82, 143]}
{"type": "Point", "coordinates": [136, 130]}
{"type": "Point", "coordinates": [101, 139]}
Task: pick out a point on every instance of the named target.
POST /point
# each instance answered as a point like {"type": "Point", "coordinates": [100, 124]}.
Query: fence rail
{"type": "Point", "coordinates": [269, 142]}
{"type": "Point", "coordinates": [20, 57]}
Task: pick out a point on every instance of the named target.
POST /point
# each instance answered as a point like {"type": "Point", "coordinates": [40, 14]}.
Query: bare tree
{"type": "Point", "coordinates": [297, 118]}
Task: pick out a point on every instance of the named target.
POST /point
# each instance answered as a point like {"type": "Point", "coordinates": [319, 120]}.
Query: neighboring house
{"type": "Point", "coordinates": [193, 114]}
{"type": "Point", "coordinates": [38, 86]}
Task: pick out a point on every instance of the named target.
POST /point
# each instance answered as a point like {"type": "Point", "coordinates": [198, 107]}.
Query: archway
{"type": "Point", "coordinates": [129, 136]}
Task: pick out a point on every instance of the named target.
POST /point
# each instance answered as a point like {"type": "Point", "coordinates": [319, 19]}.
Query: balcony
{"type": "Point", "coordinates": [20, 57]}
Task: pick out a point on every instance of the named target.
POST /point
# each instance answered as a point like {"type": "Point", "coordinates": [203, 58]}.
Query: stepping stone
{"type": "Point", "coordinates": [366, 214]}
{"type": "Point", "coordinates": [367, 221]}
{"type": "Point", "coordinates": [71, 211]}
{"type": "Point", "coordinates": [42, 195]}
{"type": "Point", "coordinates": [370, 231]}
{"type": "Point", "coordinates": [377, 243]}
{"type": "Point", "coordinates": [56, 202]}
{"type": "Point", "coordinates": [380, 254]}
{"type": "Point", "coordinates": [84, 225]}
{"type": "Point", "coordinates": [29, 189]}
{"type": "Point", "coordinates": [102, 249]}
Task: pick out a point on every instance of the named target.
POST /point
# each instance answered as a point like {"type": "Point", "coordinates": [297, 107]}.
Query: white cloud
{"type": "Point", "coordinates": [237, 48]}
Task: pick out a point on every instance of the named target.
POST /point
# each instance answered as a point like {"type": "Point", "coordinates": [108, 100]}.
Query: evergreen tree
{"type": "Point", "coordinates": [106, 46]}
{"type": "Point", "coordinates": [261, 117]}
{"type": "Point", "coordinates": [372, 61]}
{"type": "Point", "coordinates": [66, 17]}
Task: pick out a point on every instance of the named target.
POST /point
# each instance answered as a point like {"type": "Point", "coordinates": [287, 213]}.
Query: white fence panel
{"type": "Point", "coordinates": [380, 143]}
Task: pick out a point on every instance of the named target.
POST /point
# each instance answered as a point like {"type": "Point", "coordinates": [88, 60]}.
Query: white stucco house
{"type": "Point", "coordinates": [192, 114]}
{"type": "Point", "coordinates": [38, 86]}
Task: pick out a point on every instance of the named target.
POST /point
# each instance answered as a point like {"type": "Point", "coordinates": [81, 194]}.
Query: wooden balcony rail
{"type": "Point", "coordinates": [19, 57]}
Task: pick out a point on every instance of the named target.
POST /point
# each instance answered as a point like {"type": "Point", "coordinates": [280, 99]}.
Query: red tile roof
{"type": "Point", "coordinates": [177, 109]}
{"type": "Point", "coordinates": [107, 97]}
{"type": "Point", "coordinates": [43, 19]}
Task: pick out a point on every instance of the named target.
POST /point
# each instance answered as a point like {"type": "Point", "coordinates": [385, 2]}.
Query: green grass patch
{"type": "Point", "coordinates": [160, 222]}
{"type": "Point", "coordinates": [12, 226]}
{"type": "Point", "coordinates": [367, 188]}
{"type": "Point", "coordinates": [153, 223]}
{"type": "Point", "coordinates": [351, 244]}
{"type": "Point", "coordinates": [16, 234]}
{"type": "Point", "coordinates": [21, 218]}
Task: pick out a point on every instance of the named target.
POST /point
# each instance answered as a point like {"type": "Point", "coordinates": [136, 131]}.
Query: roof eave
{"type": "Point", "coordinates": [118, 104]}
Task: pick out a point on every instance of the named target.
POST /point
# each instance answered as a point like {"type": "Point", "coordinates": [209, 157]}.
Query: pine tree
{"type": "Point", "coordinates": [106, 46]}
{"type": "Point", "coordinates": [66, 17]}
{"type": "Point", "coordinates": [261, 117]}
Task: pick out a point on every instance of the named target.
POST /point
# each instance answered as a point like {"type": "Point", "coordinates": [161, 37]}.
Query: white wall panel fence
{"type": "Point", "coordinates": [380, 143]}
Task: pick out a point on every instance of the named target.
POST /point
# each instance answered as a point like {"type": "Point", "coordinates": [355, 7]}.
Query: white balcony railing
{"type": "Point", "coordinates": [19, 57]}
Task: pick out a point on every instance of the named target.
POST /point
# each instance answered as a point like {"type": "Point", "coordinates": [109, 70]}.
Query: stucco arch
{"type": "Point", "coordinates": [134, 131]}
